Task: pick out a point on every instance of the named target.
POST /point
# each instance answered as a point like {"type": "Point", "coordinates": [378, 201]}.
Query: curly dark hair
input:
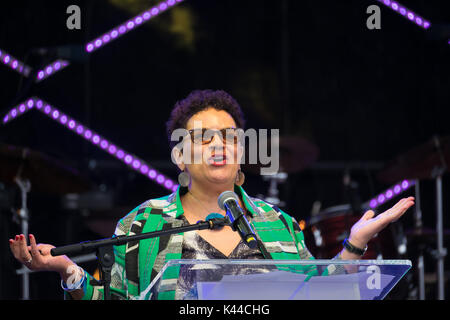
{"type": "Point", "coordinates": [200, 100]}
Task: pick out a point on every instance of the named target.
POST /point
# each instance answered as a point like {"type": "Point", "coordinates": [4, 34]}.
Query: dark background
{"type": "Point", "coordinates": [310, 68]}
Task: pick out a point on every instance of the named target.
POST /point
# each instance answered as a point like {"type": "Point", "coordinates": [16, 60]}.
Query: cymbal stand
{"type": "Point", "coordinates": [440, 252]}
{"type": "Point", "coordinates": [418, 226]}
{"type": "Point", "coordinates": [23, 213]}
{"type": "Point", "coordinates": [275, 179]}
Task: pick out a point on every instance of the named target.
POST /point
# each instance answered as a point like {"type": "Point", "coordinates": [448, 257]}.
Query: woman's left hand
{"type": "Point", "coordinates": [368, 226]}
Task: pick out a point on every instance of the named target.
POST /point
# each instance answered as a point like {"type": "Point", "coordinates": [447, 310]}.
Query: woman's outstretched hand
{"type": "Point", "coordinates": [366, 228]}
{"type": "Point", "coordinates": [37, 257]}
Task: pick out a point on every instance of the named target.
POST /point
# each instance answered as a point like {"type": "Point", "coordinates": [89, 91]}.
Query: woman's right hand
{"type": "Point", "coordinates": [37, 257]}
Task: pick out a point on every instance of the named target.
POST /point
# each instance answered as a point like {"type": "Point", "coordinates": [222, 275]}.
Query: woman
{"type": "Point", "coordinates": [201, 182]}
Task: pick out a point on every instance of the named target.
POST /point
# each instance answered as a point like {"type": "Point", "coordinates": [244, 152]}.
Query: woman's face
{"type": "Point", "coordinates": [215, 162]}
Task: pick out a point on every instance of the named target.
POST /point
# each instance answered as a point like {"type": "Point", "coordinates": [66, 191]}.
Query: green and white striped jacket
{"type": "Point", "coordinates": [137, 263]}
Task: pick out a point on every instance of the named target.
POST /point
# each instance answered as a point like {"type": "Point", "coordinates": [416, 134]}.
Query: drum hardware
{"type": "Point", "coordinates": [24, 168]}
{"type": "Point", "coordinates": [429, 160]}
{"type": "Point", "coordinates": [272, 195]}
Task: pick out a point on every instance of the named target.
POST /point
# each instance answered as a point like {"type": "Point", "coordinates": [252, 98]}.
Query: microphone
{"type": "Point", "coordinates": [228, 201]}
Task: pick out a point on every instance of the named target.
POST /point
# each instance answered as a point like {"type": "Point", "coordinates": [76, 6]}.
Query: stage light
{"type": "Point", "coordinates": [51, 69]}
{"type": "Point", "coordinates": [410, 15]}
{"type": "Point", "coordinates": [390, 193]}
{"type": "Point", "coordinates": [129, 25]}
{"type": "Point", "coordinates": [96, 139]}
{"type": "Point", "coordinates": [15, 64]}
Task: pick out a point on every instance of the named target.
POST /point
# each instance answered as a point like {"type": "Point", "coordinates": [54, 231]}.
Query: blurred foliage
{"type": "Point", "coordinates": [178, 21]}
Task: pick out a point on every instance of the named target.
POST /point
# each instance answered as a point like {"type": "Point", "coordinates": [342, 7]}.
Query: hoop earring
{"type": "Point", "coordinates": [184, 179]}
{"type": "Point", "coordinates": [240, 178]}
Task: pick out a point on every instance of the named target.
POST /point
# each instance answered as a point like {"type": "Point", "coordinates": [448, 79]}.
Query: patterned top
{"type": "Point", "coordinates": [195, 247]}
{"type": "Point", "coordinates": [138, 262]}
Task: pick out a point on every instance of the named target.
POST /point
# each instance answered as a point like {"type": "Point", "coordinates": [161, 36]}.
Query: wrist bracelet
{"type": "Point", "coordinates": [351, 248]}
{"type": "Point", "coordinates": [75, 286]}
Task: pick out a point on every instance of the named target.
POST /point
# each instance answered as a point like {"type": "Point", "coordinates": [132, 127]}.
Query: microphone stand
{"type": "Point", "coordinates": [104, 251]}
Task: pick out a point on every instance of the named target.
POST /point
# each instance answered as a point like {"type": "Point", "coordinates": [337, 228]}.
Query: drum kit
{"type": "Point", "coordinates": [325, 229]}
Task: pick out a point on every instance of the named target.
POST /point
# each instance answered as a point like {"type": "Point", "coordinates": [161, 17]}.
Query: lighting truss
{"type": "Point", "coordinates": [129, 25]}
{"type": "Point", "coordinates": [131, 160]}
{"type": "Point", "coordinates": [14, 63]}
{"type": "Point", "coordinates": [407, 13]}
{"type": "Point", "coordinates": [91, 46]}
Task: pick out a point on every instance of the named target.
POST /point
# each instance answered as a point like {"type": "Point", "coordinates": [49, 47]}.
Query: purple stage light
{"type": "Point", "coordinates": [373, 203]}
{"type": "Point", "coordinates": [410, 15]}
{"type": "Point", "coordinates": [51, 69]}
{"type": "Point", "coordinates": [80, 129]}
{"type": "Point", "coordinates": [144, 169]}
{"type": "Point", "coordinates": [390, 193]}
{"type": "Point", "coordinates": [152, 174]}
{"type": "Point", "coordinates": [112, 149]}
{"type": "Point", "coordinates": [104, 144]}
{"type": "Point", "coordinates": [134, 162]}
{"type": "Point", "coordinates": [405, 184]}
{"type": "Point", "coordinates": [131, 24]}
{"type": "Point", "coordinates": [160, 179]}
{"type": "Point", "coordinates": [14, 63]}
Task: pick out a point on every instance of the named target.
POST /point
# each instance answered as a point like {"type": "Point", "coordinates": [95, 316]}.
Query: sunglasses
{"type": "Point", "coordinates": [205, 136]}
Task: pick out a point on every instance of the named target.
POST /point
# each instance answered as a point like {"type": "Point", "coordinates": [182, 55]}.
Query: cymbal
{"type": "Point", "coordinates": [46, 174]}
{"type": "Point", "coordinates": [295, 154]}
{"type": "Point", "coordinates": [417, 163]}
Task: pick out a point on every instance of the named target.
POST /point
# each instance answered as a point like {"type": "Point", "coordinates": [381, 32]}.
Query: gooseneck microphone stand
{"type": "Point", "coordinates": [105, 252]}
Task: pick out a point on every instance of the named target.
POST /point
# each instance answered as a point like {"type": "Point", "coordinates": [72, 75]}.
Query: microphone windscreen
{"type": "Point", "coordinates": [224, 196]}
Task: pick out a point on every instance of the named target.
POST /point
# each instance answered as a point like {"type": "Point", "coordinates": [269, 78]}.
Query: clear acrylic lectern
{"type": "Point", "coordinates": [224, 279]}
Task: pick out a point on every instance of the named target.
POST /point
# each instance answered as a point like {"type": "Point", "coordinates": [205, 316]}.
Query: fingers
{"type": "Point", "coordinates": [35, 252]}
{"type": "Point", "coordinates": [398, 210]}
{"type": "Point", "coordinates": [368, 215]}
{"type": "Point", "coordinates": [19, 249]}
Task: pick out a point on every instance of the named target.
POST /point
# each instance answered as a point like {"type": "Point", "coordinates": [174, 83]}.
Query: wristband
{"type": "Point", "coordinates": [351, 248]}
{"type": "Point", "coordinates": [74, 286]}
